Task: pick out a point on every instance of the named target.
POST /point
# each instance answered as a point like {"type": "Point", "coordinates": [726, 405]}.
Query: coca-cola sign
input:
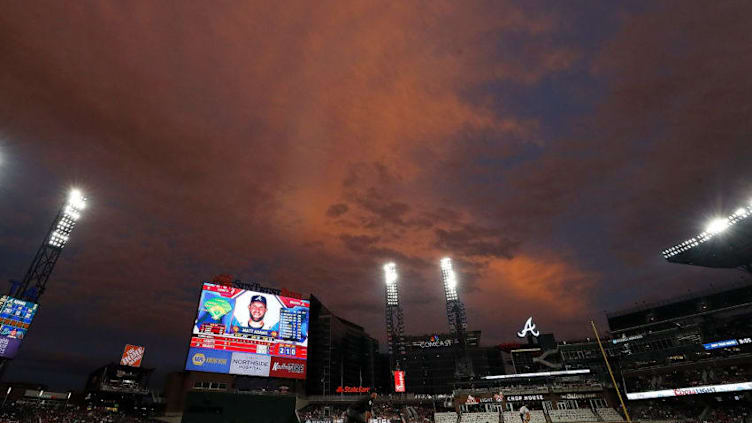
{"type": "Point", "coordinates": [286, 367]}
{"type": "Point", "coordinates": [399, 381]}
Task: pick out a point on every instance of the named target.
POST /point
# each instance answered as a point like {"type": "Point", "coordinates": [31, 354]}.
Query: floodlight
{"type": "Point", "coordinates": [741, 211]}
{"type": "Point", "coordinates": [390, 273]}
{"type": "Point", "coordinates": [450, 279]}
{"type": "Point", "coordinates": [717, 226]}
{"type": "Point", "coordinates": [67, 219]}
{"type": "Point", "coordinates": [76, 199]}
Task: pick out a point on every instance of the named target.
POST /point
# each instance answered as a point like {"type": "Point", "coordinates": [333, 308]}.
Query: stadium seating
{"type": "Point", "coordinates": [536, 416]}
{"type": "Point", "coordinates": [609, 415]}
{"type": "Point", "coordinates": [576, 415]}
{"type": "Point", "coordinates": [445, 417]}
{"type": "Point", "coordinates": [480, 418]}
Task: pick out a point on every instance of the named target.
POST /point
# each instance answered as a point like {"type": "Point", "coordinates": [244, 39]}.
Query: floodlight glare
{"type": "Point", "coordinates": [390, 273]}
{"type": "Point", "coordinates": [76, 199]}
{"type": "Point", "coordinates": [66, 220]}
{"type": "Point", "coordinates": [450, 279]}
{"type": "Point", "coordinates": [717, 226]}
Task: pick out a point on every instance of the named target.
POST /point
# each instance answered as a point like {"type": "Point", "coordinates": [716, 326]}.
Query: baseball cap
{"type": "Point", "coordinates": [259, 298]}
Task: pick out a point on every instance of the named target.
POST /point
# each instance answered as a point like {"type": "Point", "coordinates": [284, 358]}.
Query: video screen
{"type": "Point", "coordinates": [244, 332]}
{"type": "Point", "coordinates": [15, 319]}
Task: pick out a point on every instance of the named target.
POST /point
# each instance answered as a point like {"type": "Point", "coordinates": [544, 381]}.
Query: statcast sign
{"type": "Point", "coordinates": [353, 389]}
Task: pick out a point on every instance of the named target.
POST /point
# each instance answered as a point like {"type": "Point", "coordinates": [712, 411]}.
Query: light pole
{"type": "Point", "coordinates": [6, 396]}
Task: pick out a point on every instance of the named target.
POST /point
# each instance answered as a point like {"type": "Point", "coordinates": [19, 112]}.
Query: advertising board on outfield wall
{"type": "Point", "coordinates": [695, 390]}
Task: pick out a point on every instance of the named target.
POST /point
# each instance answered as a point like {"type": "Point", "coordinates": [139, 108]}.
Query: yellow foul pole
{"type": "Point", "coordinates": [610, 372]}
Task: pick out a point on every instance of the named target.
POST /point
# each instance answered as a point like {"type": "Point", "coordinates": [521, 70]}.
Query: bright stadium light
{"type": "Point", "coordinates": [67, 219]}
{"type": "Point", "coordinates": [390, 273]}
{"type": "Point", "coordinates": [390, 277]}
{"type": "Point", "coordinates": [451, 277]}
{"type": "Point", "coordinates": [76, 199]}
{"type": "Point", "coordinates": [714, 227]}
{"type": "Point", "coordinates": [717, 226]}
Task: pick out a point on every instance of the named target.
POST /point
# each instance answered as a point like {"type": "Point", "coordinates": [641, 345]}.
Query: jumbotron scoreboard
{"type": "Point", "coordinates": [15, 318]}
{"type": "Point", "coordinates": [252, 333]}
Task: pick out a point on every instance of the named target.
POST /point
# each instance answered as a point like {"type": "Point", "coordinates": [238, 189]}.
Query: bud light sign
{"type": "Point", "coordinates": [399, 381]}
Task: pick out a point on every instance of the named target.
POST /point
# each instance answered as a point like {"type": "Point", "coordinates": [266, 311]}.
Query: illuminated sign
{"type": "Point", "coordinates": [512, 398]}
{"type": "Point", "coordinates": [625, 339]}
{"type": "Point", "coordinates": [353, 389]}
{"type": "Point", "coordinates": [399, 381]}
{"type": "Point", "coordinates": [433, 342]}
{"type": "Point", "coordinates": [579, 396]}
{"type": "Point", "coordinates": [15, 319]}
{"type": "Point", "coordinates": [695, 390]}
{"type": "Point", "coordinates": [727, 343]}
{"type": "Point", "coordinates": [721, 344]}
{"type": "Point", "coordinates": [529, 328]}
{"type": "Point", "coordinates": [541, 374]}
{"type": "Point", "coordinates": [253, 333]}
{"type": "Point", "coordinates": [132, 355]}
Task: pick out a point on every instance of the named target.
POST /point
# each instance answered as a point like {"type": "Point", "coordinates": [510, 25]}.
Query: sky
{"type": "Point", "coordinates": [552, 149]}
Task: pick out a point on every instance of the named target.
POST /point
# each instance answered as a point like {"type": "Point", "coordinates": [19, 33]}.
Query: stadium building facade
{"type": "Point", "coordinates": [696, 344]}
{"type": "Point", "coordinates": [341, 354]}
{"type": "Point", "coordinates": [120, 388]}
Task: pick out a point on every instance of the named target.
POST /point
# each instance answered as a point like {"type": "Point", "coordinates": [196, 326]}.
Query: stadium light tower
{"type": "Point", "coordinates": [725, 243]}
{"type": "Point", "coordinates": [457, 319]}
{"type": "Point", "coordinates": [395, 323]}
{"type": "Point", "coordinates": [35, 281]}
{"type": "Point", "coordinates": [454, 307]}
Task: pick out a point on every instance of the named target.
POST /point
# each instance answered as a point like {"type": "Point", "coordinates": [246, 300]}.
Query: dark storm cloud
{"type": "Point", "coordinates": [336, 210]}
{"type": "Point", "coordinates": [472, 240]}
{"type": "Point", "coordinates": [551, 151]}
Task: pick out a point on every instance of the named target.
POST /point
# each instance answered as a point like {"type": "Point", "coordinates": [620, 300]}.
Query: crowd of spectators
{"type": "Point", "coordinates": [730, 414]}
{"type": "Point", "coordinates": [689, 377]}
{"type": "Point", "coordinates": [17, 413]}
{"type": "Point", "coordinates": [689, 410]}
{"type": "Point", "coordinates": [383, 411]}
{"type": "Point", "coordinates": [318, 412]}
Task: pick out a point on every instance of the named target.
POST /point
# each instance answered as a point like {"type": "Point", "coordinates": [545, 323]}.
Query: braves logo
{"type": "Point", "coordinates": [529, 327]}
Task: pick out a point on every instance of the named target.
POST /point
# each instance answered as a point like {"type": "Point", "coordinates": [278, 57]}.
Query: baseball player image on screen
{"type": "Point", "coordinates": [258, 316]}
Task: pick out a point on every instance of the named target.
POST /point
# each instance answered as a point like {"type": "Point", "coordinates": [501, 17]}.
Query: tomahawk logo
{"type": "Point", "coordinates": [290, 367]}
{"type": "Point", "coordinates": [529, 327]}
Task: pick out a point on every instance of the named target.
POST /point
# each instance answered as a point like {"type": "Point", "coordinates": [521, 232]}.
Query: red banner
{"type": "Point", "coordinates": [285, 367]}
{"type": "Point", "coordinates": [399, 381]}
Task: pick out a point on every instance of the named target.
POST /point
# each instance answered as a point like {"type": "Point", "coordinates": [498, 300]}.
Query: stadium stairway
{"type": "Point", "coordinates": [608, 415]}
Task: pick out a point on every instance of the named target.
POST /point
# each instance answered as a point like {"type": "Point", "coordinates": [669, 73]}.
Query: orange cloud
{"type": "Point", "coordinates": [552, 286]}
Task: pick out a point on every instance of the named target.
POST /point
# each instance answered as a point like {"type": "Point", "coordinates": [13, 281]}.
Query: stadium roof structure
{"type": "Point", "coordinates": [725, 243]}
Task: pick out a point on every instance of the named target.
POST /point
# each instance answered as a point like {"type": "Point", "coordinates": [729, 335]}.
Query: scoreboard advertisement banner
{"type": "Point", "coordinates": [244, 332]}
{"type": "Point", "coordinates": [15, 319]}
